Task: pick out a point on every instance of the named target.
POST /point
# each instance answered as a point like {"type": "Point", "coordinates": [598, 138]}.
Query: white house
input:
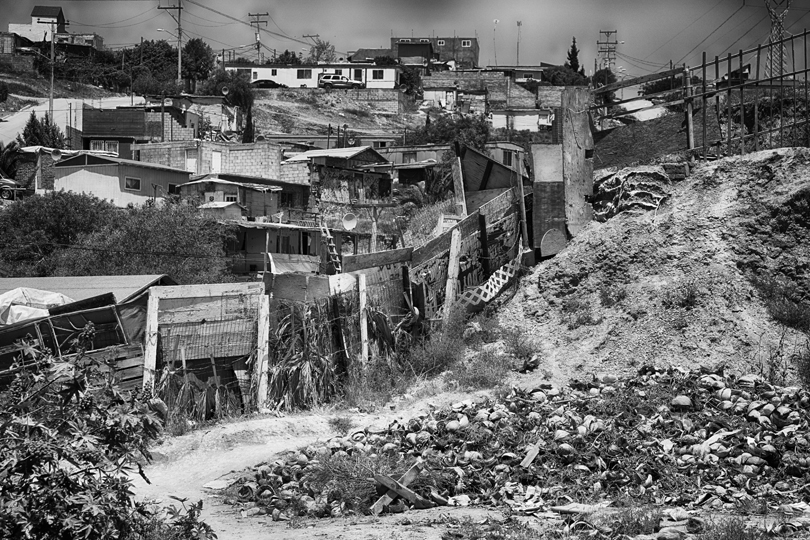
{"type": "Point", "coordinates": [307, 75]}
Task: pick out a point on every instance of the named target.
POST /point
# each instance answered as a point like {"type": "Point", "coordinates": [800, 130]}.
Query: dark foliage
{"type": "Point", "coordinates": [572, 61]}
{"type": "Point", "coordinates": [471, 130]}
{"type": "Point", "coordinates": [604, 77]}
{"type": "Point", "coordinates": [3, 91]}
{"type": "Point", "coordinates": [198, 60]}
{"type": "Point", "coordinates": [41, 133]}
{"type": "Point", "coordinates": [288, 57]}
{"type": "Point", "coordinates": [564, 76]}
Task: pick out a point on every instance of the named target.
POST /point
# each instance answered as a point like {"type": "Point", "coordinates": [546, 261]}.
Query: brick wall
{"type": "Point", "coordinates": [549, 96]}
{"type": "Point", "coordinates": [296, 173]}
{"type": "Point", "coordinates": [172, 129]}
{"type": "Point", "coordinates": [260, 159]}
{"type": "Point", "coordinates": [557, 127]}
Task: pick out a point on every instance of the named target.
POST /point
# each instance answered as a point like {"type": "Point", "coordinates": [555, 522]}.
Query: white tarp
{"type": "Point", "coordinates": [22, 304]}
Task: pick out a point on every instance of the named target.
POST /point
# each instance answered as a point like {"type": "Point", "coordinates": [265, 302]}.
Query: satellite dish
{"type": "Point", "coordinates": [351, 141]}
{"type": "Point", "coordinates": [225, 90]}
{"type": "Point", "coordinates": [260, 138]}
{"type": "Point", "coordinates": [167, 102]}
{"type": "Point", "coordinates": [56, 154]}
{"type": "Point", "coordinates": [211, 198]}
{"type": "Point", "coordinates": [349, 221]}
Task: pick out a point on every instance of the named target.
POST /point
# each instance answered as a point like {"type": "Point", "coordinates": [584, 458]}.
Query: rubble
{"type": "Point", "coordinates": [674, 438]}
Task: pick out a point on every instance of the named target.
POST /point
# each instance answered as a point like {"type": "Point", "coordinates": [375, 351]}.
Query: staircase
{"type": "Point", "coordinates": [334, 257]}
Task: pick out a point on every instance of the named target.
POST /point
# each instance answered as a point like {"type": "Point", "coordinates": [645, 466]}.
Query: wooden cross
{"type": "Point", "coordinates": [399, 489]}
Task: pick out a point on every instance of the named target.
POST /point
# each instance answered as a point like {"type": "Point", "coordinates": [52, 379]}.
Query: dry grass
{"type": "Point", "coordinates": [423, 222]}
{"type": "Point", "coordinates": [487, 369]}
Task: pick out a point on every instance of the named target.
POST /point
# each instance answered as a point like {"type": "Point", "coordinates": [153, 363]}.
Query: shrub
{"type": "Point", "coordinates": [635, 520]}
{"type": "Point", "coordinates": [801, 360]}
{"type": "Point", "coordinates": [731, 529]}
{"type": "Point", "coordinates": [610, 297]}
{"type": "Point", "coordinates": [341, 424]}
{"type": "Point", "coordinates": [3, 92]}
{"type": "Point", "coordinates": [486, 369]}
{"type": "Point", "coordinates": [440, 351]}
{"type": "Point", "coordinates": [518, 344]}
{"type": "Point", "coordinates": [782, 303]}
{"type": "Point", "coordinates": [578, 313]}
{"type": "Point", "coordinates": [683, 295]}
{"type": "Point", "coordinates": [68, 437]}
{"type": "Point", "coordinates": [362, 113]}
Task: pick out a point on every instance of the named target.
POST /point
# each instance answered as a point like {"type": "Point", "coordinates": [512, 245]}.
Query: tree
{"type": "Point", "coordinates": [136, 242]}
{"type": "Point", "coordinates": [240, 93]}
{"type": "Point", "coordinates": [471, 130]}
{"type": "Point", "coordinates": [198, 61]}
{"type": "Point", "coordinates": [604, 77]}
{"type": "Point", "coordinates": [9, 158]}
{"type": "Point", "coordinates": [385, 61]}
{"type": "Point", "coordinates": [34, 228]}
{"type": "Point", "coordinates": [573, 57]}
{"type": "Point", "coordinates": [321, 51]}
{"type": "Point", "coordinates": [563, 76]}
{"type": "Point", "coordinates": [3, 91]}
{"type": "Point", "coordinates": [288, 57]}
{"type": "Point", "coordinates": [41, 133]}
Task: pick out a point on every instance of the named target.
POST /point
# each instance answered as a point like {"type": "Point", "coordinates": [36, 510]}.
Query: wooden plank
{"type": "Point", "coordinates": [361, 288]}
{"type": "Point", "coordinates": [638, 80]}
{"type": "Point", "coordinates": [191, 310]}
{"type": "Point", "coordinates": [151, 340]}
{"type": "Point", "coordinates": [458, 188]}
{"type": "Point", "coordinates": [417, 500]}
{"type": "Point", "coordinates": [342, 283]}
{"type": "Point", "coordinates": [482, 237]}
{"type": "Point", "coordinates": [208, 290]}
{"type": "Point", "coordinates": [263, 350]}
{"type": "Point", "coordinates": [486, 175]}
{"type": "Point", "coordinates": [409, 476]}
{"type": "Point", "coordinates": [452, 273]}
{"type": "Point", "coordinates": [352, 263]}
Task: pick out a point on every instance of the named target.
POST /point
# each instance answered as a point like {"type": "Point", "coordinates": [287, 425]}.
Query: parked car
{"type": "Point", "coordinates": [267, 83]}
{"type": "Point", "coordinates": [9, 189]}
{"type": "Point", "coordinates": [339, 81]}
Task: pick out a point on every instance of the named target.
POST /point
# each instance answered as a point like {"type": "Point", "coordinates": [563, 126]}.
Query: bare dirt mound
{"type": "Point", "coordinates": [675, 286]}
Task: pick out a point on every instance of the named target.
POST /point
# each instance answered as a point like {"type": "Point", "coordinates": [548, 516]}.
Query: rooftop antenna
{"type": "Point", "coordinates": [494, 45]}
{"type": "Point", "coordinates": [777, 55]}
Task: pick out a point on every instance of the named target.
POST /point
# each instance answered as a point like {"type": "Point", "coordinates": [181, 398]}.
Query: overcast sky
{"type": "Point", "coordinates": [654, 31]}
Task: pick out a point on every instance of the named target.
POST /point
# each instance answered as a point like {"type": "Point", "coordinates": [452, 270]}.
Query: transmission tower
{"type": "Point", "coordinates": [607, 49]}
{"type": "Point", "coordinates": [776, 60]}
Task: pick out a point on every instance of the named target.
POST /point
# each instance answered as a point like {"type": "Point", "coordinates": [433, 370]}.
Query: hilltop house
{"type": "Point", "coordinates": [46, 20]}
{"type": "Point", "coordinates": [259, 159]}
{"type": "Point", "coordinates": [307, 75]}
{"type": "Point", "coordinates": [462, 51]}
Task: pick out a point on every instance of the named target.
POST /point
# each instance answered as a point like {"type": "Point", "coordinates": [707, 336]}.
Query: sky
{"type": "Point", "coordinates": [654, 32]}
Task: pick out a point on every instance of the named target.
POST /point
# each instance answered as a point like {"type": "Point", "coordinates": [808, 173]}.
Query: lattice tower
{"type": "Point", "coordinates": [776, 59]}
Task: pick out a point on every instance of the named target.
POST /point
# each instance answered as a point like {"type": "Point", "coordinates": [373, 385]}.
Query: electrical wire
{"type": "Point", "coordinates": [685, 29]}
{"type": "Point", "coordinates": [684, 57]}
{"type": "Point", "coordinates": [109, 24]}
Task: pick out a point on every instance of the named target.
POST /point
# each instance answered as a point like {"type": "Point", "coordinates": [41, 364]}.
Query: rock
{"type": "Point", "coordinates": [681, 403]}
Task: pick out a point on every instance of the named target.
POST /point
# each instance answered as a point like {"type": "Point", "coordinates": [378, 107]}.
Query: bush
{"type": "Point", "coordinates": [440, 351]}
{"type": "Point", "coordinates": [518, 344]}
{"type": "Point", "coordinates": [68, 437]}
{"type": "Point", "coordinates": [683, 295]}
{"type": "Point", "coordinates": [731, 529]}
{"type": "Point", "coordinates": [3, 92]}
{"type": "Point", "coordinates": [801, 359]}
{"type": "Point", "coordinates": [782, 303]}
{"type": "Point", "coordinates": [341, 424]}
{"type": "Point", "coordinates": [610, 297]}
{"type": "Point", "coordinates": [578, 313]}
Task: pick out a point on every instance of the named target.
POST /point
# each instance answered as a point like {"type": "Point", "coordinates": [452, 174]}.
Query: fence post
{"type": "Point", "coordinates": [452, 273]}
{"type": "Point", "coordinates": [484, 239]}
{"type": "Point", "coordinates": [458, 188]}
{"type": "Point", "coordinates": [151, 341]}
{"type": "Point", "coordinates": [263, 350]}
{"type": "Point", "coordinates": [361, 289]}
{"type": "Point", "coordinates": [690, 128]}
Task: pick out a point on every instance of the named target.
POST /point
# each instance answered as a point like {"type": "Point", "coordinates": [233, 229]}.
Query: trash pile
{"type": "Point", "coordinates": [667, 437]}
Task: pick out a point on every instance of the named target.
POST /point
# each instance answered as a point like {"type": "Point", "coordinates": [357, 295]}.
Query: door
{"type": "Point", "coordinates": [216, 161]}
{"type": "Point", "coordinates": [191, 160]}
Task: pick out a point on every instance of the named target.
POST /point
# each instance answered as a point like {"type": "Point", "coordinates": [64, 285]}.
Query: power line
{"type": "Point", "coordinates": [109, 24]}
{"type": "Point", "coordinates": [684, 57]}
{"type": "Point", "coordinates": [683, 30]}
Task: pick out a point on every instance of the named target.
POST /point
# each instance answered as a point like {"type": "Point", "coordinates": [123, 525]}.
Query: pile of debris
{"type": "Point", "coordinates": [640, 188]}
{"type": "Point", "coordinates": [695, 439]}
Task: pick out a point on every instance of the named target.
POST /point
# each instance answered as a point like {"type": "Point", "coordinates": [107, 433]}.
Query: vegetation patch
{"type": "Point", "coordinates": [487, 369]}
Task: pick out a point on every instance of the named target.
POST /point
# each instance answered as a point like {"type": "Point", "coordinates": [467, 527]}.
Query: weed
{"type": "Point", "coordinates": [578, 313]}
{"type": "Point", "coordinates": [308, 97]}
{"type": "Point", "coordinates": [782, 303]}
{"type": "Point", "coordinates": [488, 328]}
{"type": "Point", "coordinates": [632, 521]}
{"type": "Point", "coordinates": [518, 344]}
{"type": "Point", "coordinates": [509, 529]}
{"type": "Point", "coordinates": [487, 369]}
{"type": "Point", "coordinates": [573, 305]}
{"type": "Point", "coordinates": [680, 321]}
{"type": "Point", "coordinates": [730, 529]}
{"type": "Point", "coordinates": [424, 221]}
{"type": "Point", "coordinates": [369, 387]}
{"type": "Point", "coordinates": [609, 297]}
{"type": "Point", "coordinates": [683, 295]}
{"type": "Point", "coordinates": [440, 351]}
{"type": "Point", "coordinates": [341, 424]}
{"type": "Point", "coordinates": [773, 364]}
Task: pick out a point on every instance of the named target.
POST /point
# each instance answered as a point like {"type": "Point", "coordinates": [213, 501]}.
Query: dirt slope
{"type": "Point", "coordinates": [679, 276]}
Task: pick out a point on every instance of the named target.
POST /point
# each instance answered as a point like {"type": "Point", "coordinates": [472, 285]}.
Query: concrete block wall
{"type": "Point", "coordinates": [172, 129]}
{"type": "Point", "coordinates": [260, 159]}
{"type": "Point", "coordinates": [296, 173]}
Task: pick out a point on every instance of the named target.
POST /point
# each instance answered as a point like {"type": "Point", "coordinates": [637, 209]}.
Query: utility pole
{"type": "Point", "coordinates": [519, 24]}
{"type": "Point", "coordinates": [314, 38]}
{"type": "Point", "coordinates": [257, 20]}
{"type": "Point", "coordinates": [607, 48]}
{"type": "Point", "coordinates": [179, 8]}
{"type": "Point", "coordinates": [53, 60]}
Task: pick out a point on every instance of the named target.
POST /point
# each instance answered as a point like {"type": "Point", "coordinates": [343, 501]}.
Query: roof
{"type": "Point", "coordinates": [118, 161]}
{"type": "Point", "coordinates": [243, 180]}
{"type": "Point", "coordinates": [218, 204]}
{"type": "Point", "coordinates": [125, 288]}
{"type": "Point", "coordinates": [52, 12]}
{"type": "Point", "coordinates": [269, 225]}
{"type": "Point", "coordinates": [340, 153]}
{"type": "Point", "coordinates": [257, 187]}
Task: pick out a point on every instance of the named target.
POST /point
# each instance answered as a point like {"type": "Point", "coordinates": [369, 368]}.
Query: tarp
{"type": "Point", "coordinates": [22, 304]}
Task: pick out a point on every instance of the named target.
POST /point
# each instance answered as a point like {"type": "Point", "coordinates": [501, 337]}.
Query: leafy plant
{"type": "Point", "coordinates": [518, 344]}
{"type": "Point", "coordinates": [68, 438]}
{"type": "Point", "coordinates": [341, 424]}
{"type": "Point", "coordinates": [486, 369]}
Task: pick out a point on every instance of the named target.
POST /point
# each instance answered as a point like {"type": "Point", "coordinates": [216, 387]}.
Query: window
{"type": "Point", "coordinates": [273, 72]}
{"type": "Point", "coordinates": [338, 72]}
{"type": "Point", "coordinates": [255, 75]}
{"type": "Point", "coordinates": [423, 40]}
{"type": "Point", "coordinates": [440, 43]}
{"type": "Point", "coordinates": [528, 76]}
{"type": "Point", "coordinates": [231, 198]}
{"type": "Point", "coordinates": [377, 74]}
{"type": "Point", "coordinates": [286, 200]}
{"type": "Point", "coordinates": [379, 144]}
{"type": "Point", "coordinates": [507, 158]}
{"type": "Point", "coordinates": [104, 146]}
{"type": "Point", "coordinates": [358, 74]}
{"type": "Point", "coordinates": [404, 40]}
{"type": "Point", "coordinates": [174, 189]}
{"type": "Point", "coordinates": [304, 73]}
{"type": "Point", "coordinates": [466, 43]}
{"type": "Point", "coordinates": [132, 184]}
{"type": "Point", "coordinates": [409, 157]}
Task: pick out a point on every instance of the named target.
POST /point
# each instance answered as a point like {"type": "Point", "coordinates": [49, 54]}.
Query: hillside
{"type": "Point", "coordinates": [674, 286]}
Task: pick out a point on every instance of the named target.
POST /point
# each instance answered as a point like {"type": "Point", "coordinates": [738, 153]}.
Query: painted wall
{"type": "Point", "coordinates": [307, 75]}
{"type": "Point", "coordinates": [108, 181]}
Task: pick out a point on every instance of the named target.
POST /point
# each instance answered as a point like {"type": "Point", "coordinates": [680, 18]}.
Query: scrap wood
{"type": "Point", "coordinates": [409, 476]}
{"type": "Point", "coordinates": [531, 453]}
{"type": "Point", "coordinates": [419, 502]}
{"type": "Point", "coordinates": [579, 508]}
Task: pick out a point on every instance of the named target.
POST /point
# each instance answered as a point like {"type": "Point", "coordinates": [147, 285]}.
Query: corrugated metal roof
{"type": "Point", "coordinates": [218, 204]}
{"type": "Point", "coordinates": [257, 187]}
{"type": "Point", "coordinates": [124, 288]}
{"type": "Point", "coordinates": [122, 161]}
{"type": "Point", "coordinates": [343, 153]}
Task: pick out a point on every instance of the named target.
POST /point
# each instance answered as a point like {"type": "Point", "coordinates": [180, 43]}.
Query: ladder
{"type": "Point", "coordinates": [334, 257]}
